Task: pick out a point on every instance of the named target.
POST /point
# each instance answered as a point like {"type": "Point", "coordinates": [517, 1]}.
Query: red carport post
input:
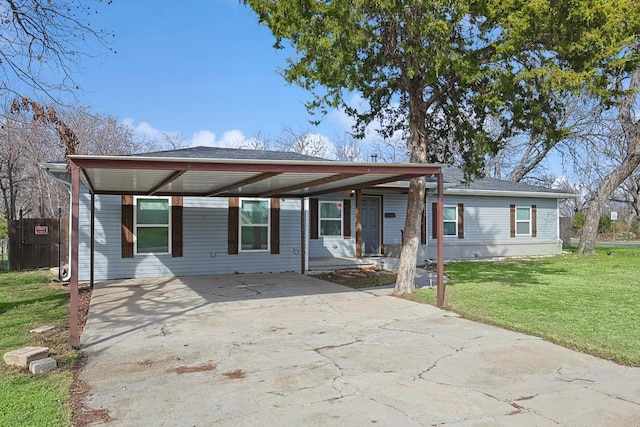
{"type": "Point", "coordinates": [74, 340]}
{"type": "Point", "coordinates": [93, 237]}
{"type": "Point", "coordinates": [440, 241]}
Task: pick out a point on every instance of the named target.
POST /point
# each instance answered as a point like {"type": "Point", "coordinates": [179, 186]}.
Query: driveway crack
{"type": "Point", "coordinates": [334, 380]}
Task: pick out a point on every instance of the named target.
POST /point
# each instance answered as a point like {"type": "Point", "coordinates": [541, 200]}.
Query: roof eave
{"type": "Point", "coordinates": [79, 159]}
{"type": "Point", "coordinates": [512, 193]}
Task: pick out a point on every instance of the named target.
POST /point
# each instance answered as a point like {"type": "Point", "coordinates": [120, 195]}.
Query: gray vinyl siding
{"type": "Point", "coordinates": [334, 246]}
{"type": "Point", "coordinates": [204, 243]}
{"type": "Point", "coordinates": [395, 205]}
{"type": "Point", "coordinates": [205, 222]}
{"type": "Point", "coordinates": [487, 231]}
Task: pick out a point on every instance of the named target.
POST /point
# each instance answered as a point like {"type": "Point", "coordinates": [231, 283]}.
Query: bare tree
{"type": "Point", "coordinates": [524, 153]}
{"type": "Point", "coordinates": [628, 161]}
{"type": "Point", "coordinates": [13, 157]}
{"type": "Point", "coordinates": [259, 141]}
{"type": "Point", "coordinates": [101, 134]}
{"type": "Point", "coordinates": [173, 140]}
{"type": "Point", "coordinates": [303, 141]}
{"type": "Point", "coordinates": [42, 44]}
{"type": "Point", "coordinates": [391, 150]}
{"type": "Point", "coordinates": [30, 138]}
{"type": "Point", "coordinates": [629, 193]}
{"type": "Point", "coordinates": [347, 148]}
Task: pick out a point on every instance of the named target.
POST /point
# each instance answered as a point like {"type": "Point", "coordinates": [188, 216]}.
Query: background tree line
{"type": "Point", "coordinates": [26, 142]}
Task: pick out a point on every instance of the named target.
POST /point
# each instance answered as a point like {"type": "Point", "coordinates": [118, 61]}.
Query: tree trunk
{"type": "Point", "coordinates": [587, 244]}
{"type": "Point", "coordinates": [405, 282]}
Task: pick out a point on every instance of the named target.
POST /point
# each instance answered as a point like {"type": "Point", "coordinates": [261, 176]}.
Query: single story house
{"type": "Point", "coordinates": [205, 210]}
{"type": "Point", "coordinates": [139, 220]}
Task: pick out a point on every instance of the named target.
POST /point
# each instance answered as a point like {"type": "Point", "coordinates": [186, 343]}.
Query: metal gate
{"type": "Point", "coordinates": [38, 243]}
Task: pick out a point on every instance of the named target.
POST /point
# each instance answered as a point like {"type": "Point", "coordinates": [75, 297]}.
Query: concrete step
{"type": "Point", "coordinates": [22, 357]}
{"type": "Point", "coordinates": [43, 365]}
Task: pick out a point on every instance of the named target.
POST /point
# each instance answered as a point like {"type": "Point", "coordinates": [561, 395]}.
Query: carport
{"type": "Point", "coordinates": [207, 177]}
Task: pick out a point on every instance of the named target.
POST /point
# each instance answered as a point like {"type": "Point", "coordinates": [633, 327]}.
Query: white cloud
{"type": "Point", "coordinates": [230, 139]}
{"type": "Point", "coordinates": [143, 129]}
{"type": "Point", "coordinates": [203, 138]}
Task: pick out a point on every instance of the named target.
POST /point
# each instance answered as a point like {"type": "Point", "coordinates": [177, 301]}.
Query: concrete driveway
{"type": "Point", "coordinates": [290, 350]}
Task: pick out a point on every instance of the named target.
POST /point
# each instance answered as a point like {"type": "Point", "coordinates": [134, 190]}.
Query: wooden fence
{"type": "Point", "coordinates": [38, 243]}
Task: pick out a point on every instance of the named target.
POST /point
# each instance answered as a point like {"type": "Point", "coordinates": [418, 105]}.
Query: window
{"type": "Point", "coordinates": [330, 218]}
{"type": "Point", "coordinates": [254, 225]}
{"type": "Point", "coordinates": [450, 221]}
{"type": "Point", "coordinates": [453, 221]}
{"type": "Point", "coordinates": [523, 221]}
{"type": "Point", "coordinates": [152, 225]}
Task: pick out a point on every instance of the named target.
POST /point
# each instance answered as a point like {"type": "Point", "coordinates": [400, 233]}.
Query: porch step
{"type": "Point", "coordinates": [330, 264]}
{"type": "Point", "coordinates": [323, 268]}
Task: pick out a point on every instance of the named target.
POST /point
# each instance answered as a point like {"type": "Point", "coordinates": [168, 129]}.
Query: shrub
{"type": "Point", "coordinates": [604, 224]}
{"type": "Point", "coordinates": [578, 221]}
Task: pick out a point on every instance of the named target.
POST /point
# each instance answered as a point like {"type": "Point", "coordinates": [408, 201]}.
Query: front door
{"type": "Point", "coordinates": [371, 226]}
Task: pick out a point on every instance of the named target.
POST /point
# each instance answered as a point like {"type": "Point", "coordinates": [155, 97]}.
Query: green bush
{"type": "Point", "coordinates": [578, 221]}
{"type": "Point", "coordinates": [604, 224]}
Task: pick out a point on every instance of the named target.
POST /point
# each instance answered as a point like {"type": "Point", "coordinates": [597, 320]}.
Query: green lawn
{"type": "Point", "coordinates": [27, 301]}
{"type": "Point", "coordinates": [590, 303]}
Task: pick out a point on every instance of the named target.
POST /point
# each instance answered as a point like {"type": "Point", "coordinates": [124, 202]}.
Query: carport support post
{"type": "Point", "coordinates": [93, 237]}
{"type": "Point", "coordinates": [75, 229]}
{"type": "Point", "coordinates": [440, 241]}
{"type": "Point", "coordinates": [303, 236]}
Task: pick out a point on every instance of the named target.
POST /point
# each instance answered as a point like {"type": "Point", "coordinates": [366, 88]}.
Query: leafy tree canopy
{"type": "Point", "coordinates": [455, 77]}
{"type": "Point", "coordinates": [438, 70]}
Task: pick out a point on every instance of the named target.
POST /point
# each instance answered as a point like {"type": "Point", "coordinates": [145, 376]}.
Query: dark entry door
{"type": "Point", "coordinates": [371, 225]}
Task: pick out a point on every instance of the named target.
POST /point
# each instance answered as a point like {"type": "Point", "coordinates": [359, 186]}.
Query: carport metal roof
{"type": "Point", "coordinates": [211, 177]}
{"type": "Point", "coordinates": [164, 176]}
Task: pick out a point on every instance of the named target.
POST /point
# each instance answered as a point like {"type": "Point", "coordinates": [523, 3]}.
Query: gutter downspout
{"type": "Point", "coordinates": [67, 276]}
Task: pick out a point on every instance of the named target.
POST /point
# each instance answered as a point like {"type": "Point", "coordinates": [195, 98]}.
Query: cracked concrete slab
{"type": "Point", "coordinates": [290, 350]}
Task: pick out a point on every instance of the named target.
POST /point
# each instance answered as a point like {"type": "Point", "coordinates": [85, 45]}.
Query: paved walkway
{"type": "Point", "coordinates": [290, 350]}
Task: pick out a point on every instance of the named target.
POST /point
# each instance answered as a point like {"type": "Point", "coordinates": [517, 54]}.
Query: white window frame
{"type": "Point", "coordinates": [241, 226]}
{"type": "Point", "coordinates": [519, 221]}
{"type": "Point", "coordinates": [320, 218]}
{"type": "Point", "coordinates": [444, 221]}
{"type": "Point", "coordinates": [136, 225]}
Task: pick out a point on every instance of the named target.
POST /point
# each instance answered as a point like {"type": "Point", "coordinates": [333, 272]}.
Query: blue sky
{"type": "Point", "coordinates": [204, 68]}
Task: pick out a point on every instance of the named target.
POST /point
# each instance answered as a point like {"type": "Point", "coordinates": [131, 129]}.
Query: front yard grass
{"type": "Point", "coordinates": [29, 300]}
{"type": "Point", "coordinates": [589, 303]}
